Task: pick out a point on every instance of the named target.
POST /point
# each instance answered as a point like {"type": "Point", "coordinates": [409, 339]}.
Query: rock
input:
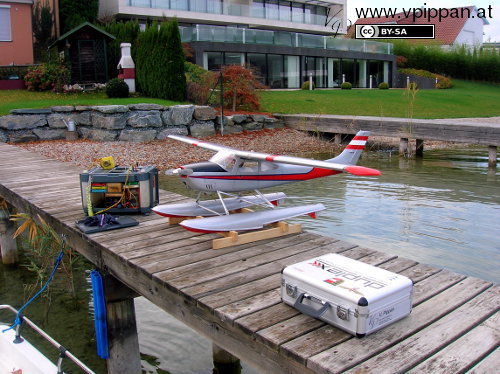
{"type": "Point", "coordinates": [252, 126]}
{"type": "Point", "coordinates": [56, 120]}
{"type": "Point", "coordinates": [145, 118]}
{"type": "Point", "coordinates": [146, 107]}
{"type": "Point", "coordinates": [109, 122]}
{"type": "Point", "coordinates": [50, 134]}
{"type": "Point", "coordinates": [18, 122]}
{"type": "Point", "coordinates": [137, 135]}
{"type": "Point", "coordinates": [204, 113]}
{"type": "Point", "coordinates": [200, 129]}
{"type": "Point", "coordinates": [83, 118]}
{"type": "Point", "coordinates": [31, 111]}
{"type": "Point", "coordinates": [22, 136]}
{"type": "Point", "coordinates": [64, 108]}
{"type": "Point", "coordinates": [181, 114]}
{"type": "Point", "coordinates": [180, 130]}
{"type": "Point", "coordinates": [98, 135]}
{"type": "Point", "coordinates": [166, 117]}
{"type": "Point", "coordinates": [3, 136]}
{"type": "Point", "coordinates": [82, 108]}
{"type": "Point", "coordinates": [235, 129]}
{"type": "Point", "coordinates": [273, 123]}
{"type": "Point", "coordinates": [258, 117]}
{"type": "Point", "coordinates": [228, 120]}
{"type": "Point", "coordinates": [110, 109]}
{"type": "Point", "coordinates": [239, 118]}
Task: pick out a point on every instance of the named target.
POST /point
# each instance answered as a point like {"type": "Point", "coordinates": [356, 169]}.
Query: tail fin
{"type": "Point", "coordinates": [351, 153]}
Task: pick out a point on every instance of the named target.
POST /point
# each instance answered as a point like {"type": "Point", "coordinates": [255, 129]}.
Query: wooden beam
{"type": "Point", "coordinates": [492, 156]}
{"type": "Point", "coordinates": [8, 245]}
{"type": "Point", "coordinates": [419, 151]}
{"type": "Point", "coordinates": [404, 150]}
{"type": "Point", "coordinates": [124, 354]}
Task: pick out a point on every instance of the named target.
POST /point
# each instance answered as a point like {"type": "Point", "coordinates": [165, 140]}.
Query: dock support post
{"type": "Point", "coordinates": [8, 245]}
{"type": "Point", "coordinates": [124, 354]}
{"type": "Point", "coordinates": [225, 362]}
{"type": "Point", "coordinates": [492, 155]}
{"type": "Point", "coordinates": [337, 139]}
{"type": "Point", "coordinates": [419, 151]}
{"type": "Point", "coordinates": [403, 148]}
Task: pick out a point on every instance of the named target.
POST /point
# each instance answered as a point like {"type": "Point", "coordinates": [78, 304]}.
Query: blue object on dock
{"type": "Point", "coordinates": [101, 328]}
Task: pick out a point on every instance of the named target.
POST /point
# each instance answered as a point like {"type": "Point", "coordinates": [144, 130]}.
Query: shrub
{"type": "Point", "coordinates": [346, 86]}
{"type": "Point", "coordinates": [240, 84]}
{"type": "Point", "coordinates": [124, 32]}
{"type": "Point", "coordinates": [46, 77]}
{"type": "Point", "coordinates": [442, 81]}
{"type": "Point", "coordinates": [117, 88]}
{"type": "Point", "coordinates": [383, 86]}
{"type": "Point", "coordinates": [305, 86]}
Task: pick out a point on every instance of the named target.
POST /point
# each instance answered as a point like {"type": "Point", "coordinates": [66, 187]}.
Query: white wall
{"type": "Point", "coordinates": [472, 32]}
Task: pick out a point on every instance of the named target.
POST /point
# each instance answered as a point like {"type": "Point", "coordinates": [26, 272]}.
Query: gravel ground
{"type": "Point", "coordinates": [170, 153]}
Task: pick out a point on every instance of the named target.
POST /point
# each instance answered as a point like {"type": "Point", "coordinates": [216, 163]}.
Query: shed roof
{"type": "Point", "coordinates": [78, 28]}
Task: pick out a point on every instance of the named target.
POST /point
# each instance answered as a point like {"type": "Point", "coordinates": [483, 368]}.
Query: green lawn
{"type": "Point", "coordinates": [465, 99]}
{"type": "Point", "coordinates": [21, 99]}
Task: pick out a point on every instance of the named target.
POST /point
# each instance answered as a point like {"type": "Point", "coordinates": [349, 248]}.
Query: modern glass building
{"type": "Point", "coordinates": [285, 41]}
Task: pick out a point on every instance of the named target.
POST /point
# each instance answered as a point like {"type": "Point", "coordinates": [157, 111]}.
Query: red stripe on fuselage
{"type": "Point", "coordinates": [314, 173]}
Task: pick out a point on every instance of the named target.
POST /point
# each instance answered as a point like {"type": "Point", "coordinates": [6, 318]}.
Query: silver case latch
{"type": "Point", "coordinates": [342, 313]}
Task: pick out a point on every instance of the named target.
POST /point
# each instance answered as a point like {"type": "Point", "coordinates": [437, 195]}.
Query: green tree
{"type": "Point", "coordinates": [74, 12]}
{"type": "Point", "coordinates": [124, 32]}
{"type": "Point", "coordinates": [42, 22]}
{"type": "Point", "coordinates": [176, 85]}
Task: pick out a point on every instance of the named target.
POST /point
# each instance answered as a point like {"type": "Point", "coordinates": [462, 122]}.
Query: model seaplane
{"type": "Point", "coordinates": [231, 171]}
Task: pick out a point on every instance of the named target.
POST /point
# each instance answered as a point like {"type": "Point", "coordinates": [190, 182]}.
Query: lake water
{"type": "Point", "coordinates": [443, 210]}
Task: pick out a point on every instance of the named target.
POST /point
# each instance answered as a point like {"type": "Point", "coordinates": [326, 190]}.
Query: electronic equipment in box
{"type": "Point", "coordinates": [120, 189]}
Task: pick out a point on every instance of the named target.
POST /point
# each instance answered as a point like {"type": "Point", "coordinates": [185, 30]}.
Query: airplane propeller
{"type": "Point", "coordinates": [179, 171]}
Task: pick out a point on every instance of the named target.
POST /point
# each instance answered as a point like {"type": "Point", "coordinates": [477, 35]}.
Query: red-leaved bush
{"type": "Point", "coordinates": [240, 85]}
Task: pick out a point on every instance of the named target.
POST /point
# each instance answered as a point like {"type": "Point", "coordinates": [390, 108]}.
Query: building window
{"type": "Point", "coordinates": [214, 60]}
{"type": "Point", "coordinates": [5, 29]}
{"type": "Point", "coordinates": [258, 62]}
{"type": "Point", "coordinates": [292, 72]}
{"type": "Point", "coordinates": [275, 71]}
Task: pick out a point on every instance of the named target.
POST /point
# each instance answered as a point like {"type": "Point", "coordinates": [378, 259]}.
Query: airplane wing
{"type": "Point", "coordinates": [250, 155]}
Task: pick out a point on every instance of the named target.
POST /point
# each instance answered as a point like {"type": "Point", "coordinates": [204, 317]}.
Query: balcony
{"type": "Point", "coordinates": [229, 34]}
{"type": "Point", "coordinates": [284, 11]}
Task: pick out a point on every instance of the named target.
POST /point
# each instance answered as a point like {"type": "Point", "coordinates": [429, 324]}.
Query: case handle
{"type": "Point", "coordinates": [316, 313]}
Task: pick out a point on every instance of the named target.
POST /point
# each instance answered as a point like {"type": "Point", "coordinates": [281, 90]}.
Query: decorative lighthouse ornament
{"type": "Point", "coordinates": [126, 67]}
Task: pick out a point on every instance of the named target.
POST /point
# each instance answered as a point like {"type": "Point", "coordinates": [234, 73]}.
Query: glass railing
{"type": "Point", "coordinates": [232, 9]}
{"type": "Point", "coordinates": [230, 34]}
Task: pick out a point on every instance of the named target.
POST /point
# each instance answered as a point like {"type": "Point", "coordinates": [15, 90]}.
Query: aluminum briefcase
{"type": "Point", "coordinates": [349, 294]}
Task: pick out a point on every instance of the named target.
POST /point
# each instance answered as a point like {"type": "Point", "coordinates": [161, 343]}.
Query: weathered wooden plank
{"type": "Point", "coordinates": [380, 345]}
{"type": "Point", "coordinates": [287, 330]}
{"type": "Point", "coordinates": [397, 265]}
{"type": "Point", "coordinates": [265, 318]}
{"type": "Point", "coordinates": [243, 291]}
{"type": "Point", "coordinates": [266, 253]}
{"type": "Point", "coordinates": [488, 365]}
{"type": "Point", "coordinates": [458, 356]}
{"type": "Point", "coordinates": [419, 272]}
{"type": "Point", "coordinates": [247, 306]}
{"type": "Point", "coordinates": [251, 256]}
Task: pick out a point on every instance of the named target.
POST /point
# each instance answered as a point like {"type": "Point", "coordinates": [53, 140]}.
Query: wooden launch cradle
{"type": "Point", "coordinates": [231, 238]}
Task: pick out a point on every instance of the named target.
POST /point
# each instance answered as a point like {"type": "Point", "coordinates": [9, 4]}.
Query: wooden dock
{"type": "Point", "coordinates": [231, 295]}
{"type": "Point", "coordinates": [472, 131]}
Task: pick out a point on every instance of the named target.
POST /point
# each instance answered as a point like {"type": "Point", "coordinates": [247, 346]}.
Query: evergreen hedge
{"type": "Point", "coordinates": [124, 32]}
{"type": "Point", "coordinates": [459, 62]}
{"type": "Point", "coordinates": [176, 78]}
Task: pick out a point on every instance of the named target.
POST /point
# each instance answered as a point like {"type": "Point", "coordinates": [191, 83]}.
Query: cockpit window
{"type": "Point", "coordinates": [225, 159]}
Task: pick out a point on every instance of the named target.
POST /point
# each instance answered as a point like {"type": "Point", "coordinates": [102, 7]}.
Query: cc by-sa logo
{"type": "Point", "coordinates": [367, 31]}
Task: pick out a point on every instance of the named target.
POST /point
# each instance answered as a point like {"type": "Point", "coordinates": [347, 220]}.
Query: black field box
{"type": "Point", "coordinates": [395, 32]}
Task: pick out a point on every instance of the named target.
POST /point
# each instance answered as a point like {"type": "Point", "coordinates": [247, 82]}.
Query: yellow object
{"type": "Point", "coordinates": [107, 162]}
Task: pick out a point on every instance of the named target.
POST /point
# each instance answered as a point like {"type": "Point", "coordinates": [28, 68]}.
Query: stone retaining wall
{"type": "Point", "coordinates": [134, 122]}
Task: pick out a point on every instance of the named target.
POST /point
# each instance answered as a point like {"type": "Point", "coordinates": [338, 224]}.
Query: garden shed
{"type": "Point", "coordinates": [85, 48]}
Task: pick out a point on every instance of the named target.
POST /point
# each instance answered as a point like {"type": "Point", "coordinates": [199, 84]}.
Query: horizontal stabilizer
{"type": "Point", "coordinates": [248, 221]}
{"type": "Point", "coordinates": [361, 170]}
